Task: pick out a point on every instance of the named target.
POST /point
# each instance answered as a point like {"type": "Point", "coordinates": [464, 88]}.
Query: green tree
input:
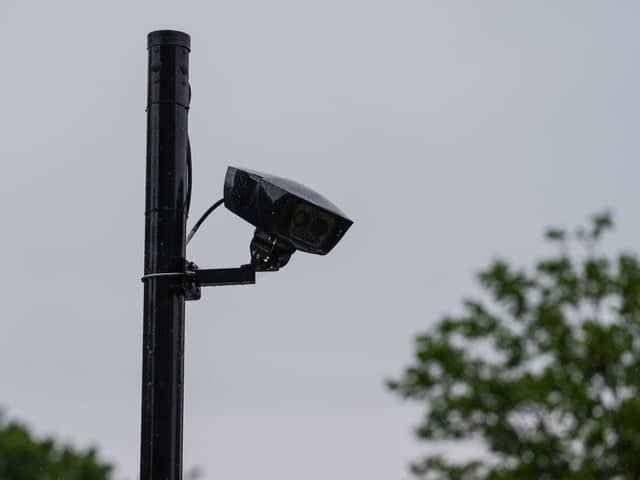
{"type": "Point", "coordinates": [23, 457]}
{"type": "Point", "coordinates": [545, 371]}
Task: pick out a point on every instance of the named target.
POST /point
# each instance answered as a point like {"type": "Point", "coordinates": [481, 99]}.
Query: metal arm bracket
{"type": "Point", "coordinates": [195, 278]}
{"type": "Point", "coordinates": [192, 279]}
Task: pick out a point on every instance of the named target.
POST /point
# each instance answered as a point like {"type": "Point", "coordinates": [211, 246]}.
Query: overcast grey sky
{"type": "Point", "coordinates": [449, 131]}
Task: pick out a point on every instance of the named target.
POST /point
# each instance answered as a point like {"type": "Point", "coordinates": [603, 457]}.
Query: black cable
{"type": "Point", "coordinates": [203, 218]}
{"type": "Point", "coordinates": [187, 203]}
{"type": "Point", "coordinates": [187, 206]}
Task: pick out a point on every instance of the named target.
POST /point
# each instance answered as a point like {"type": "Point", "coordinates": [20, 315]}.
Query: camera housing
{"type": "Point", "coordinates": [288, 216]}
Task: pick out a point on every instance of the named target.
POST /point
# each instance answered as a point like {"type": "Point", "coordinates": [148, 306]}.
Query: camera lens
{"type": "Point", "coordinates": [301, 218]}
{"type": "Point", "coordinates": [319, 227]}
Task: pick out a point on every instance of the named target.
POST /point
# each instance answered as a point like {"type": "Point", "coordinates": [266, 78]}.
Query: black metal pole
{"type": "Point", "coordinates": [164, 251]}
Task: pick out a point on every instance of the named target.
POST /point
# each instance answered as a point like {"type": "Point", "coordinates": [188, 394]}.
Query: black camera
{"type": "Point", "coordinates": [288, 216]}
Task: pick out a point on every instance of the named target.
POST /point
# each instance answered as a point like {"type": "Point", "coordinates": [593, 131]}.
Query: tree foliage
{"type": "Point", "coordinates": [23, 457]}
{"type": "Point", "coordinates": [545, 372]}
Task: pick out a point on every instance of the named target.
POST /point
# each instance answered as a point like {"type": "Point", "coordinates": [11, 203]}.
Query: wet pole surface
{"type": "Point", "coordinates": [165, 228]}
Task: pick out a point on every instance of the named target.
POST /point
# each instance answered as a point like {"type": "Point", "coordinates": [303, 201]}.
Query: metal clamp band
{"type": "Point", "coordinates": [162, 274]}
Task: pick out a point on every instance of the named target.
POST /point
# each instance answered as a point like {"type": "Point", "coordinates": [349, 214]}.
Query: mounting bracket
{"type": "Point", "coordinates": [192, 279]}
